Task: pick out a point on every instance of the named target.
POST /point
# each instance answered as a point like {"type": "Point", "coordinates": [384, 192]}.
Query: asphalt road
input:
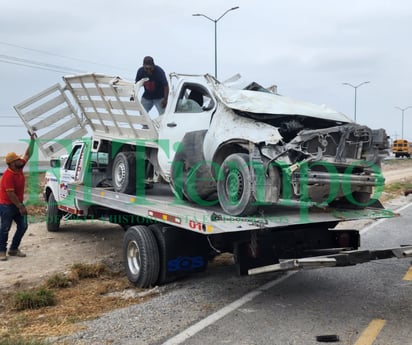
{"type": "Point", "coordinates": [361, 305]}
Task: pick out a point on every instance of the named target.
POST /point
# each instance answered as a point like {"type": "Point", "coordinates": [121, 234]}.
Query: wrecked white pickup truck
{"type": "Point", "coordinates": [241, 148]}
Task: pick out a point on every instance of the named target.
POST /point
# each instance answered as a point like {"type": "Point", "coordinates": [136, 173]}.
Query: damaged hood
{"type": "Point", "coordinates": [268, 103]}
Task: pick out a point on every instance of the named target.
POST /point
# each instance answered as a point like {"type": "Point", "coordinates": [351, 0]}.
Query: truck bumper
{"type": "Point", "coordinates": [344, 258]}
{"type": "Point", "coordinates": [314, 177]}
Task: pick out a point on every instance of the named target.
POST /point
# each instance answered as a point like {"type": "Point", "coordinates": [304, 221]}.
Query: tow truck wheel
{"type": "Point", "coordinates": [234, 187]}
{"type": "Point", "coordinates": [53, 214]}
{"type": "Point", "coordinates": [157, 230]}
{"type": "Point", "coordinates": [124, 173]}
{"type": "Point", "coordinates": [141, 256]}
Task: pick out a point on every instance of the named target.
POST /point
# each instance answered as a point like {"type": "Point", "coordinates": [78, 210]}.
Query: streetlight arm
{"type": "Point", "coordinates": [403, 109]}
{"type": "Point", "coordinates": [349, 84]}
{"type": "Point", "coordinates": [230, 9]}
{"type": "Point", "coordinates": [356, 86]}
{"type": "Point", "coordinates": [365, 82]}
{"type": "Point", "coordinates": [203, 15]}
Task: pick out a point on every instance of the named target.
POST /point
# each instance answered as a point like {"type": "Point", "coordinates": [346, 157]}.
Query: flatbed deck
{"type": "Point", "coordinates": [159, 204]}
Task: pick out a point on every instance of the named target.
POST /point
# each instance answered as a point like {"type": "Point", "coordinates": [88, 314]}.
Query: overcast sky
{"type": "Point", "coordinates": [306, 47]}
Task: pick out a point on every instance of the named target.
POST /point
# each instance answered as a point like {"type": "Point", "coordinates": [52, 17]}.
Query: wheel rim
{"type": "Point", "coordinates": [120, 174]}
{"type": "Point", "coordinates": [234, 185]}
{"type": "Point", "coordinates": [133, 258]}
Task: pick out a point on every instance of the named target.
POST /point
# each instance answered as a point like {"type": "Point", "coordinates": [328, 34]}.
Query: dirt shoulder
{"type": "Point", "coordinates": [95, 241]}
{"type": "Point", "coordinates": [48, 252]}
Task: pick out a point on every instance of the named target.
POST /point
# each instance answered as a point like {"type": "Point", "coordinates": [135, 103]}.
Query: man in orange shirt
{"type": "Point", "coordinates": [11, 202]}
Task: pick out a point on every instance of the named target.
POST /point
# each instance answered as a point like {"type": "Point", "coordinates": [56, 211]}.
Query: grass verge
{"type": "Point", "coordinates": [82, 293]}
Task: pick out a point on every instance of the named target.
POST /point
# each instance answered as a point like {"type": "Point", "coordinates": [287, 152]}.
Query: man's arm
{"type": "Point", "coordinates": [139, 75]}
{"type": "Point", "coordinates": [165, 95]}
{"type": "Point", "coordinates": [30, 150]}
{"type": "Point", "coordinates": [15, 200]}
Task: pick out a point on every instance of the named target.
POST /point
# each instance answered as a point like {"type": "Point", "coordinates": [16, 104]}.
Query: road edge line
{"type": "Point", "coordinates": [212, 318]}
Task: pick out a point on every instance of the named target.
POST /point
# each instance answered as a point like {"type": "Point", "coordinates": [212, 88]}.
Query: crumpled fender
{"type": "Point", "coordinates": [227, 126]}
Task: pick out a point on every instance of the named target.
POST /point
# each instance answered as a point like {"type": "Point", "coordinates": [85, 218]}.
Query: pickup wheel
{"type": "Point", "coordinates": [124, 173]}
{"type": "Point", "coordinates": [234, 187]}
{"type": "Point", "coordinates": [53, 214]}
{"type": "Point", "coordinates": [141, 256]}
{"type": "Point", "coordinates": [191, 177]}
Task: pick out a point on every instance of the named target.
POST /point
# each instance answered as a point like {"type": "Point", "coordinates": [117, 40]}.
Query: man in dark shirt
{"type": "Point", "coordinates": [11, 202]}
{"type": "Point", "coordinates": [156, 89]}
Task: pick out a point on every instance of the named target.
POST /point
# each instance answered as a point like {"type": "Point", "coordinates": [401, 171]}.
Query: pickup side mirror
{"type": "Point", "coordinates": [55, 163]}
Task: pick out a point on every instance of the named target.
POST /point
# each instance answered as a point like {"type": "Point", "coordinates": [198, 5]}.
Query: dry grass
{"type": "Point", "coordinates": [84, 299]}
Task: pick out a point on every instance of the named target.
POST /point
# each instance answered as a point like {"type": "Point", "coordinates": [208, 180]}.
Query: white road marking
{"type": "Point", "coordinates": [202, 324]}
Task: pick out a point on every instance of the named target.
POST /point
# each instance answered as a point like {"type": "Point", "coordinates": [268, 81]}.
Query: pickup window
{"type": "Point", "coordinates": [74, 158]}
{"type": "Point", "coordinates": [194, 98]}
{"type": "Point", "coordinates": [100, 159]}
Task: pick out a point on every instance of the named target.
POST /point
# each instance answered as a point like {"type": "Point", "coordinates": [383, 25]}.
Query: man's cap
{"type": "Point", "coordinates": [148, 61]}
{"type": "Point", "coordinates": [11, 157]}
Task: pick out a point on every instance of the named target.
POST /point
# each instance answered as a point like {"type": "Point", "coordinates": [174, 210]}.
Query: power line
{"type": "Point", "coordinates": [32, 66]}
{"type": "Point", "coordinates": [60, 55]}
{"type": "Point", "coordinates": [37, 64]}
{"type": "Point", "coordinates": [14, 58]}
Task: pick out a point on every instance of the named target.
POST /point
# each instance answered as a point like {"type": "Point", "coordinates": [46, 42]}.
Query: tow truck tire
{"type": "Point", "coordinates": [234, 187]}
{"type": "Point", "coordinates": [141, 256]}
{"type": "Point", "coordinates": [53, 214]}
{"type": "Point", "coordinates": [124, 173]}
{"type": "Point", "coordinates": [161, 243]}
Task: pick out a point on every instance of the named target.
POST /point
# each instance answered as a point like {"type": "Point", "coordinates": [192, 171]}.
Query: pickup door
{"type": "Point", "coordinates": [190, 111]}
{"type": "Point", "coordinates": [72, 172]}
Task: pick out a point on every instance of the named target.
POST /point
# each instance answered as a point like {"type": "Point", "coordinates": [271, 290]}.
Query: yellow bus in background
{"type": "Point", "coordinates": [402, 148]}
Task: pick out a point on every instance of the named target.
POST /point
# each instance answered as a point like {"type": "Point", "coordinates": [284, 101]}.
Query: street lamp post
{"type": "Point", "coordinates": [403, 111]}
{"type": "Point", "coordinates": [215, 21]}
{"type": "Point", "coordinates": [356, 89]}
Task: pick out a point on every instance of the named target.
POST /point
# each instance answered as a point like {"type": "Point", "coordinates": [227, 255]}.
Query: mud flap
{"type": "Point", "coordinates": [248, 256]}
{"type": "Point", "coordinates": [184, 253]}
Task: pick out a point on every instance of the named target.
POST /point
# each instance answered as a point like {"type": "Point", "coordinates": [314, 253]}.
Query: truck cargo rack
{"type": "Point", "coordinates": [107, 106]}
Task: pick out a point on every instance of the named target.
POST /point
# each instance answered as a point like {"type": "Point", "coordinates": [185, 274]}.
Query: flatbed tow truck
{"type": "Point", "coordinates": [166, 235]}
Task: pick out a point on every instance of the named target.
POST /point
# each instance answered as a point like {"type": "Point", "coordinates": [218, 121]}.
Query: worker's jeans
{"type": "Point", "coordinates": [8, 213]}
{"type": "Point", "coordinates": [149, 103]}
